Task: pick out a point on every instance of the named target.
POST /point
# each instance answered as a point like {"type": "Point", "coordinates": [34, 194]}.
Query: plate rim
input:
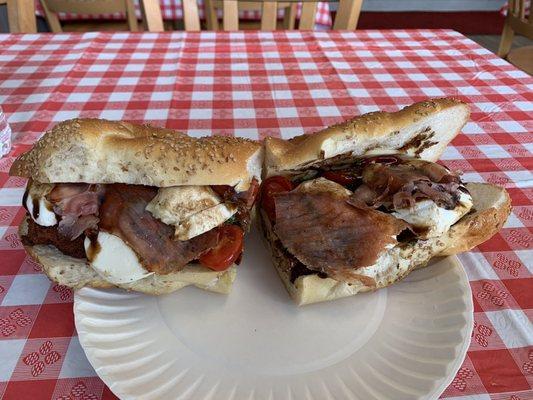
{"type": "Point", "coordinates": [432, 395]}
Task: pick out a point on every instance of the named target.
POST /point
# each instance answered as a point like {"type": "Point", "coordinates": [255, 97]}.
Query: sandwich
{"type": "Point", "coordinates": [114, 204]}
{"type": "Point", "coordinates": [359, 205]}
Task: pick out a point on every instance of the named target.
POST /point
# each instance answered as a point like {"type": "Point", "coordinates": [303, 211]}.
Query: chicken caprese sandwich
{"type": "Point", "coordinates": [138, 207]}
{"type": "Point", "coordinates": [359, 205]}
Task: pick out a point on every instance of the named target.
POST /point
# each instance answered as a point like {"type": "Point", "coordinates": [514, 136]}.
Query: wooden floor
{"type": "Point", "coordinates": [492, 42]}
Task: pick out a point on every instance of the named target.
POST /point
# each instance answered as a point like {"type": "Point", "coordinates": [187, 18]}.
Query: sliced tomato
{"type": "Point", "coordinates": [342, 177]}
{"type": "Point", "coordinates": [227, 250]}
{"type": "Point", "coordinates": [269, 187]}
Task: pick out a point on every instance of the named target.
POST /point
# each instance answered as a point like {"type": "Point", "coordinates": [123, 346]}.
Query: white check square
{"type": "Point", "coordinates": [243, 113]}
{"type": "Point", "coordinates": [63, 115]}
{"type": "Point", "coordinates": [120, 96]}
{"type": "Point", "coordinates": [239, 80]}
{"type": "Point", "coordinates": [114, 115]}
{"type": "Point", "coordinates": [128, 80]}
{"type": "Point", "coordinates": [75, 364]}
{"type": "Point", "coordinates": [395, 92]}
{"type": "Point", "coordinates": [313, 78]}
{"type": "Point", "coordinates": [203, 80]}
{"type": "Point", "coordinates": [511, 126]}
{"type": "Point", "coordinates": [286, 112]}
{"type": "Point", "coordinates": [10, 351]}
{"type": "Point", "coordinates": [277, 79]}
{"type": "Point", "coordinates": [201, 113]}
{"type": "Point", "coordinates": [78, 97]}
{"type": "Point", "coordinates": [282, 94]}
{"type": "Point", "coordinates": [202, 96]}
{"type": "Point", "coordinates": [155, 114]}
{"type": "Point", "coordinates": [513, 327]}
{"type": "Point", "coordinates": [320, 94]}
{"type": "Point", "coordinates": [328, 111]}
{"type": "Point", "coordinates": [242, 95]}
{"type": "Point", "coordinates": [432, 91]}
{"type": "Point", "coordinates": [162, 96]}
{"type": "Point", "coordinates": [27, 289]}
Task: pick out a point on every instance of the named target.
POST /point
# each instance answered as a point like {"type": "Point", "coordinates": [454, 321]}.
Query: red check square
{"type": "Point", "coordinates": [498, 371]}
{"type": "Point", "coordinates": [54, 320]}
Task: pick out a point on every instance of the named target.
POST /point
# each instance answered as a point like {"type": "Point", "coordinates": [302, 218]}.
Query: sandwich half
{"type": "Point", "coordinates": [114, 204]}
{"type": "Point", "coordinates": [357, 206]}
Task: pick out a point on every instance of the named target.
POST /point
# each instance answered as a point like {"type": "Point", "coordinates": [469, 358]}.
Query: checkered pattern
{"type": "Point", "coordinates": [173, 10]}
{"type": "Point", "coordinates": [257, 84]}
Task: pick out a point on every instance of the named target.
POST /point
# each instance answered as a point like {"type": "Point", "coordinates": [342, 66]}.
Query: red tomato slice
{"type": "Point", "coordinates": [227, 250]}
{"type": "Point", "coordinates": [342, 177]}
{"type": "Point", "coordinates": [269, 187]}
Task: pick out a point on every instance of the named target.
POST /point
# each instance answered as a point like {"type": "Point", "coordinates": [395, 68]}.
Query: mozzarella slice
{"type": "Point", "coordinates": [44, 215]}
{"type": "Point", "coordinates": [114, 260]}
{"type": "Point", "coordinates": [436, 220]}
{"type": "Point", "coordinates": [203, 221]}
{"type": "Point", "coordinates": [175, 204]}
{"type": "Point", "coordinates": [323, 185]}
{"type": "Point", "coordinates": [193, 210]}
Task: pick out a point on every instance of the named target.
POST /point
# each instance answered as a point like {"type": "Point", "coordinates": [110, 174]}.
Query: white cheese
{"type": "Point", "coordinates": [36, 195]}
{"type": "Point", "coordinates": [114, 260]}
{"type": "Point", "coordinates": [323, 185]}
{"type": "Point", "coordinates": [193, 210]}
{"type": "Point", "coordinates": [426, 214]}
{"type": "Point", "coordinates": [204, 221]}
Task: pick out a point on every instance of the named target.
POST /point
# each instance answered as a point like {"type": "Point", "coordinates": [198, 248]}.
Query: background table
{"type": "Point", "coordinates": [173, 10]}
{"type": "Point", "coordinates": [254, 85]}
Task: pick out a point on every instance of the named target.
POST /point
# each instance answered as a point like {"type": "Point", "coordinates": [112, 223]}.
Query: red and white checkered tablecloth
{"type": "Point", "coordinates": [256, 84]}
{"type": "Point", "coordinates": [173, 10]}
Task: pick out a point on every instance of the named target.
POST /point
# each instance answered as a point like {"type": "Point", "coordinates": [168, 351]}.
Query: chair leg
{"type": "Point", "coordinates": [21, 16]}
{"type": "Point", "coordinates": [51, 19]}
{"type": "Point", "coordinates": [230, 18]}
{"type": "Point", "coordinates": [269, 15]}
{"type": "Point", "coordinates": [211, 18]}
{"type": "Point", "coordinates": [132, 18]}
{"type": "Point", "coordinates": [347, 14]}
{"type": "Point", "coordinates": [151, 11]}
{"type": "Point", "coordinates": [506, 41]}
{"type": "Point", "coordinates": [289, 16]}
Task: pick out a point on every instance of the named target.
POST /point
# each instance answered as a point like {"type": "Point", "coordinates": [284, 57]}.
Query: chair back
{"type": "Point", "coordinates": [516, 22]}
{"type": "Point", "coordinates": [52, 7]}
{"type": "Point", "coordinates": [21, 16]}
{"type": "Point", "coordinates": [191, 17]}
{"type": "Point", "coordinates": [347, 14]}
{"type": "Point", "coordinates": [230, 11]}
{"type": "Point", "coordinates": [516, 17]}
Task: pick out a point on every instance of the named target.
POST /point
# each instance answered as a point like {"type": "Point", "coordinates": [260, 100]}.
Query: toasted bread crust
{"type": "Point", "coordinates": [423, 129]}
{"type": "Point", "coordinates": [101, 151]}
{"type": "Point", "coordinates": [478, 227]}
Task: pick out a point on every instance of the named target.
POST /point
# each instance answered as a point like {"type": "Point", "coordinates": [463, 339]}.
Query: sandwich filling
{"type": "Point", "coordinates": [350, 221]}
{"type": "Point", "coordinates": [128, 232]}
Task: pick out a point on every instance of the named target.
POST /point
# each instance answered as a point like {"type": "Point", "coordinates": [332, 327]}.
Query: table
{"type": "Point", "coordinates": [256, 84]}
{"type": "Point", "coordinates": [173, 10]}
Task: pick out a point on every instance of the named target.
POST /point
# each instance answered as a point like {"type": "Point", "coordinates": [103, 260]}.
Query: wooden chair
{"type": "Point", "coordinates": [347, 14]}
{"type": "Point", "coordinates": [231, 8]}
{"type": "Point", "coordinates": [191, 17]}
{"type": "Point", "coordinates": [52, 7]}
{"type": "Point", "coordinates": [516, 22]}
{"type": "Point", "coordinates": [21, 16]}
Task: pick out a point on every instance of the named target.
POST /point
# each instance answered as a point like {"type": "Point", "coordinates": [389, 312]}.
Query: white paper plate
{"type": "Point", "coordinates": [405, 342]}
